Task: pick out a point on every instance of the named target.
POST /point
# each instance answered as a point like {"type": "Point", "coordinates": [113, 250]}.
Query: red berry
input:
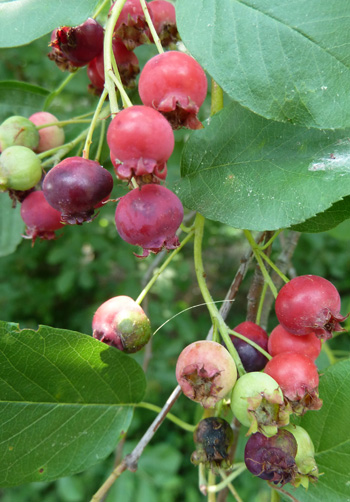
{"type": "Point", "coordinates": [131, 25]}
{"type": "Point", "coordinates": [40, 218]}
{"type": "Point", "coordinates": [50, 137]}
{"type": "Point", "coordinates": [176, 85]}
{"type": "Point", "coordinates": [75, 186]}
{"type": "Point", "coordinates": [79, 44]}
{"type": "Point", "coordinates": [164, 21]}
{"type": "Point", "coordinates": [297, 376]}
{"type": "Point", "coordinates": [272, 458]}
{"type": "Point", "coordinates": [122, 323]}
{"type": "Point", "coordinates": [251, 358]}
{"type": "Point", "coordinates": [141, 141]}
{"type": "Point", "coordinates": [205, 372]}
{"type": "Point", "coordinates": [149, 217]}
{"type": "Point", "coordinates": [307, 304]}
{"type": "Point", "coordinates": [280, 340]}
{"type": "Point", "coordinates": [127, 62]}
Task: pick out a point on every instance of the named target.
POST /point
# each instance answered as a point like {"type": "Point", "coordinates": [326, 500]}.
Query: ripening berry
{"type": "Point", "coordinates": [141, 141]}
{"type": "Point", "coordinates": [40, 218]}
{"type": "Point", "coordinates": [297, 376]}
{"type": "Point", "coordinates": [75, 186]}
{"type": "Point", "coordinates": [79, 44]}
{"type": "Point", "coordinates": [280, 340]}
{"type": "Point", "coordinates": [49, 137]}
{"type": "Point", "coordinates": [176, 85]}
{"type": "Point", "coordinates": [131, 26]}
{"type": "Point", "coordinates": [122, 323]}
{"type": "Point", "coordinates": [206, 372]}
{"type": "Point", "coordinates": [149, 217]}
{"type": "Point", "coordinates": [309, 304]}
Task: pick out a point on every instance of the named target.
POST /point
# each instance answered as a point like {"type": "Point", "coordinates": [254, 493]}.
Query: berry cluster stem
{"type": "Point", "coordinates": [213, 310]}
{"type": "Point", "coordinates": [151, 27]}
{"type": "Point", "coordinates": [95, 117]}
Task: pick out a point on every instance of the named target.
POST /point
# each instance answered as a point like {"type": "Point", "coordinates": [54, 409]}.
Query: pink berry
{"type": "Point", "coordinates": [297, 376]}
{"type": "Point", "coordinates": [176, 85]}
{"type": "Point", "coordinates": [79, 44]}
{"type": "Point", "coordinates": [205, 372]}
{"type": "Point", "coordinates": [127, 62]}
{"type": "Point", "coordinates": [149, 217]}
{"type": "Point", "coordinates": [309, 304]}
{"type": "Point", "coordinates": [141, 141]}
{"type": "Point", "coordinates": [164, 21]}
{"type": "Point", "coordinates": [280, 340]}
{"type": "Point", "coordinates": [49, 137]}
{"type": "Point", "coordinates": [40, 218]}
{"type": "Point", "coordinates": [122, 323]}
{"type": "Point", "coordinates": [131, 26]}
{"type": "Point", "coordinates": [75, 186]}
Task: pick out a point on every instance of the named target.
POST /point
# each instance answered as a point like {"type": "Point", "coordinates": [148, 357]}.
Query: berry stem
{"type": "Point", "coordinates": [211, 483]}
{"type": "Point", "coordinates": [117, 80]}
{"type": "Point", "coordinates": [162, 268]}
{"type": "Point", "coordinates": [100, 8]}
{"type": "Point", "coordinates": [253, 344]}
{"type": "Point", "coordinates": [62, 123]}
{"type": "Point", "coordinates": [170, 416]}
{"type": "Point", "coordinates": [213, 311]}
{"type": "Point", "coordinates": [255, 249]}
{"type": "Point", "coordinates": [108, 55]}
{"type": "Point", "coordinates": [100, 141]}
{"type": "Point", "coordinates": [273, 266]}
{"type": "Point", "coordinates": [270, 241]}
{"type": "Point", "coordinates": [58, 91]}
{"type": "Point", "coordinates": [60, 151]}
{"type": "Point", "coordinates": [151, 27]}
{"type": "Point", "coordinates": [95, 117]}
{"type": "Point", "coordinates": [237, 470]}
{"type": "Point", "coordinates": [261, 303]}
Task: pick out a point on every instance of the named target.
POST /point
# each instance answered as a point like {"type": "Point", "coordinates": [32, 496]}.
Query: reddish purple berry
{"type": "Point", "coordinates": [79, 44]}
{"type": "Point", "coordinates": [40, 218]}
{"type": "Point", "coordinates": [149, 217]}
{"type": "Point", "coordinates": [206, 372]}
{"type": "Point", "coordinates": [213, 437]}
{"type": "Point", "coordinates": [127, 62]}
{"type": "Point", "coordinates": [280, 340]}
{"type": "Point", "coordinates": [251, 358]}
{"type": "Point", "coordinates": [176, 85]}
{"type": "Point", "coordinates": [49, 137]}
{"type": "Point", "coordinates": [131, 26]}
{"type": "Point", "coordinates": [141, 141]}
{"type": "Point", "coordinates": [297, 376]}
{"type": "Point", "coordinates": [309, 304]}
{"type": "Point", "coordinates": [272, 458]}
{"type": "Point", "coordinates": [122, 323]}
{"type": "Point", "coordinates": [164, 21]}
{"type": "Point", "coordinates": [75, 186]}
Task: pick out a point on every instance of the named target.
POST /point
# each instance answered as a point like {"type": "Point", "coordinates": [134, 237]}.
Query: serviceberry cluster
{"type": "Point", "coordinates": [308, 309]}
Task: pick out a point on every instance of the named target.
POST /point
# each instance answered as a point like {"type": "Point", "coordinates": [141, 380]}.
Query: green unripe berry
{"type": "Point", "coordinates": [19, 131]}
{"type": "Point", "coordinates": [20, 169]}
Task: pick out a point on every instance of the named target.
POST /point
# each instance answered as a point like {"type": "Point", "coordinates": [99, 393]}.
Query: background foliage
{"type": "Point", "coordinates": [61, 283]}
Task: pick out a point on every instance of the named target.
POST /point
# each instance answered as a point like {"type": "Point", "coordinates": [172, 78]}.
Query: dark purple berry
{"type": "Point", "coordinates": [251, 358]}
{"type": "Point", "coordinates": [79, 44]}
{"type": "Point", "coordinates": [272, 458]}
{"type": "Point", "coordinates": [75, 186]}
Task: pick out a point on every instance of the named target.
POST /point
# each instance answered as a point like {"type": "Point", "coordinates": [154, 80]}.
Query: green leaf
{"type": "Point", "coordinates": [22, 21]}
{"type": "Point", "coordinates": [19, 98]}
{"type": "Point", "coordinates": [329, 431]}
{"type": "Point", "coordinates": [332, 217]}
{"type": "Point", "coordinates": [66, 399]}
{"type": "Point", "coordinates": [288, 61]}
{"type": "Point", "coordinates": [11, 225]}
{"type": "Point", "coordinates": [249, 172]}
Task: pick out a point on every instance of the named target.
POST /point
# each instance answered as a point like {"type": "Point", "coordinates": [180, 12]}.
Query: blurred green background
{"type": "Point", "coordinates": [61, 283]}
